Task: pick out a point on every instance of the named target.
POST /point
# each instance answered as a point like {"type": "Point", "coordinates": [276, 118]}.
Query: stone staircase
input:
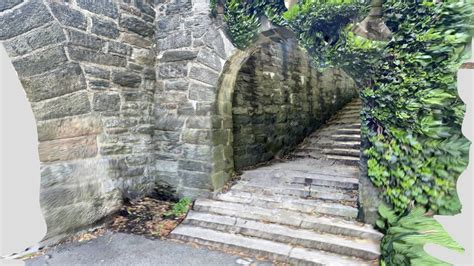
{"type": "Point", "coordinates": [338, 139]}
{"type": "Point", "coordinates": [300, 212]}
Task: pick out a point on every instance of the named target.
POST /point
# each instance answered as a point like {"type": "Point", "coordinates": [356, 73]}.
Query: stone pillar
{"type": "Point", "coordinates": [87, 70]}
{"type": "Point", "coordinates": [369, 196]}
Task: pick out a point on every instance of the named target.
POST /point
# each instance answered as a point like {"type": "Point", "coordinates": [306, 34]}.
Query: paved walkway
{"type": "Point", "coordinates": [300, 211]}
{"type": "Point", "coordinates": [125, 249]}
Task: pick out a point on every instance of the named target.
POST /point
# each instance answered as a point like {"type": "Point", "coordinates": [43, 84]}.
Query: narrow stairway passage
{"type": "Point", "coordinates": [300, 211]}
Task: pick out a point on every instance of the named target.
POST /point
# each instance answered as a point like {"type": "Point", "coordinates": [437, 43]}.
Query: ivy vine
{"type": "Point", "coordinates": [412, 112]}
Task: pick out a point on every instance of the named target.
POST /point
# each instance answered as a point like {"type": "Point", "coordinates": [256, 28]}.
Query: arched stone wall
{"type": "Point", "coordinates": [196, 68]}
{"type": "Point", "coordinates": [279, 99]}
{"type": "Point", "coordinates": [128, 97]}
{"type": "Point", "coordinates": [87, 68]}
{"type": "Point", "coordinates": [280, 82]}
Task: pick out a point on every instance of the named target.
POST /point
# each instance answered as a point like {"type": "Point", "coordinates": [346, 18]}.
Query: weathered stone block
{"type": "Point", "coordinates": [201, 92]}
{"type": "Point", "coordinates": [167, 24]}
{"type": "Point", "coordinates": [98, 84]}
{"type": "Point", "coordinates": [66, 79]}
{"type": "Point", "coordinates": [73, 217]}
{"type": "Point", "coordinates": [136, 25]}
{"type": "Point", "coordinates": [199, 122]}
{"type": "Point", "coordinates": [166, 166]}
{"type": "Point", "coordinates": [68, 16]}
{"type": "Point", "coordinates": [135, 39]}
{"type": "Point", "coordinates": [68, 149]}
{"type": "Point", "coordinates": [166, 136]}
{"type": "Point", "coordinates": [120, 168]}
{"type": "Point", "coordinates": [221, 137]}
{"type": "Point", "coordinates": [119, 48]}
{"type": "Point", "coordinates": [126, 79]}
{"type": "Point", "coordinates": [97, 72]}
{"type": "Point", "coordinates": [195, 166]}
{"type": "Point", "coordinates": [197, 152]}
{"type": "Point", "coordinates": [52, 34]}
{"type": "Point", "coordinates": [172, 56]}
{"type": "Point", "coordinates": [7, 4]}
{"type": "Point", "coordinates": [198, 24]}
{"type": "Point", "coordinates": [114, 149]}
{"type": "Point", "coordinates": [101, 7]}
{"type": "Point", "coordinates": [173, 70]}
{"type": "Point", "coordinates": [105, 28]}
{"type": "Point", "coordinates": [68, 105]}
{"type": "Point", "coordinates": [205, 108]}
{"type": "Point", "coordinates": [210, 59]}
{"type": "Point", "coordinates": [204, 74]}
{"type": "Point", "coordinates": [144, 56]}
{"type": "Point", "coordinates": [23, 19]}
{"type": "Point", "coordinates": [197, 136]}
{"type": "Point", "coordinates": [175, 40]}
{"type": "Point", "coordinates": [214, 41]}
{"type": "Point", "coordinates": [176, 85]}
{"type": "Point", "coordinates": [100, 58]}
{"type": "Point", "coordinates": [146, 7]}
{"type": "Point", "coordinates": [68, 127]}
{"type": "Point", "coordinates": [195, 179]}
{"type": "Point", "coordinates": [106, 102]}
{"type": "Point", "coordinates": [168, 122]}
{"type": "Point", "coordinates": [85, 40]}
{"type": "Point", "coordinates": [40, 62]}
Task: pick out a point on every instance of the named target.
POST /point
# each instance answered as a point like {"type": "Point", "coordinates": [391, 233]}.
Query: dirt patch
{"type": "Point", "coordinates": [149, 217]}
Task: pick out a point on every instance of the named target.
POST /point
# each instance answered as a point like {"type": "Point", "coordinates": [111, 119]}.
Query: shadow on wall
{"type": "Point", "coordinates": [21, 221]}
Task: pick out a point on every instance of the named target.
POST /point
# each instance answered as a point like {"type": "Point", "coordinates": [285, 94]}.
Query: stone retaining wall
{"type": "Point", "coordinates": [279, 99]}
{"type": "Point", "coordinates": [130, 95]}
{"type": "Point", "coordinates": [87, 68]}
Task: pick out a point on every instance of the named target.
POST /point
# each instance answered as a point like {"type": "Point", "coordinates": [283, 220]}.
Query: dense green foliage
{"type": "Point", "coordinates": [418, 150]}
{"type": "Point", "coordinates": [242, 24]}
{"type": "Point", "coordinates": [179, 208]}
{"type": "Point", "coordinates": [319, 25]}
{"type": "Point", "coordinates": [412, 111]}
{"type": "Point", "coordinates": [406, 235]}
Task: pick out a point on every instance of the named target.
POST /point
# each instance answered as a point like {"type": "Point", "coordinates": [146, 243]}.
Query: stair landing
{"type": "Point", "coordinates": [300, 211]}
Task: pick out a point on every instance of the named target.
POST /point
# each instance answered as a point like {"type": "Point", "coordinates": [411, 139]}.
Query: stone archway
{"type": "Point", "coordinates": [87, 68]}
{"type": "Point", "coordinates": [287, 100]}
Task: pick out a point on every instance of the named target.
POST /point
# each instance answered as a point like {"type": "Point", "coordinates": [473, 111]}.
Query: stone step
{"type": "Point", "coordinates": [320, 224]}
{"type": "Point", "coordinates": [347, 115]}
{"type": "Point", "coordinates": [340, 180]}
{"type": "Point", "coordinates": [354, 161]}
{"type": "Point", "coordinates": [308, 206]}
{"type": "Point", "coordinates": [342, 145]}
{"type": "Point", "coordinates": [309, 165]}
{"type": "Point", "coordinates": [353, 125]}
{"type": "Point", "coordinates": [343, 152]}
{"type": "Point", "coordinates": [320, 192]}
{"type": "Point", "coordinates": [357, 107]}
{"type": "Point", "coordinates": [346, 137]}
{"type": "Point", "coordinates": [278, 251]}
{"type": "Point", "coordinates": [350, 131]}
{"type": "Point", "coordinates": [353, 247]}
{"type": "Point", "coordinates": [326, 180]}
{"type": "Point", "coordinates": [350, 122]}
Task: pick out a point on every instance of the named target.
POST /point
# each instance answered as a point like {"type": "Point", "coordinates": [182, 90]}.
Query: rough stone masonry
{"type": "Point", "coordinates": [130, 95]}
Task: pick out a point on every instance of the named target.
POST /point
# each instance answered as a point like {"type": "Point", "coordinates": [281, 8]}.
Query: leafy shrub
{"type": "Point", "coordinates": [413, 109]}
{"type": "Point", "coordinates": [180, 208]}
{"type": "Point", "coordinates": [407, 234]}
{"type": "Point", "coordinates": [241, 24]}
{"type": "Point", "coordinates": [319, 25]}
{"type": "Point", "coordinates": [412, 112]}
